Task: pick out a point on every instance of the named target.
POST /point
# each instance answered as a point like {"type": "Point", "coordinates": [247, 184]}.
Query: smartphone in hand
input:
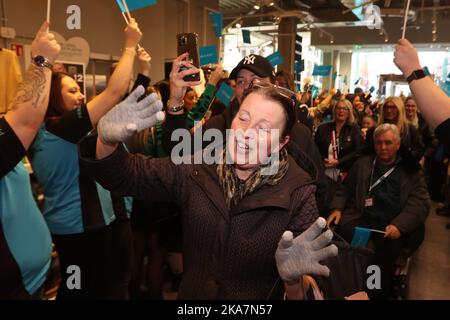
{"type": "Point", "coordinates": [188, 42]}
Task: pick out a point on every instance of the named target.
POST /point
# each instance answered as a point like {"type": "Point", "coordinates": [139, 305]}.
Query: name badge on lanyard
{"type": "Point", "coordinates": [369, 202]}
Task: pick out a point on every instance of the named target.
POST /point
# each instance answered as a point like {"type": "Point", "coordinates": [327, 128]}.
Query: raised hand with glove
{"type": "Point", "coordinates": [130, 116]}
{"type": "Point", "coordinates": [299, 256]}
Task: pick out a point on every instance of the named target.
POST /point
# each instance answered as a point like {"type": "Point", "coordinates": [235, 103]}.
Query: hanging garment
{"type": "Point", "coordinates": [10, 77]}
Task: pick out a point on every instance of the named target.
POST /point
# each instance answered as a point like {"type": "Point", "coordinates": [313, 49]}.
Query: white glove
{"type": "Point", "coordinates": [301, 256]}
{"type": "Point", "coordinates": [130, 116]}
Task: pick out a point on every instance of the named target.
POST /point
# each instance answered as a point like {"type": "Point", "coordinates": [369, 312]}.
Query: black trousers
{"type": "Point", "coordinates": [386, 251]}
{"type": "Point", "coordinates": [104, 259]}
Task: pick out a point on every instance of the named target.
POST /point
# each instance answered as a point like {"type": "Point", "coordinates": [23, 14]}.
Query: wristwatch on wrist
{"type": "Point", "coordinates": [176, 108]}
{"type": "Point", "coordinates": [418, 74]}
{"type": "Point", "coordinates": [41, 61]}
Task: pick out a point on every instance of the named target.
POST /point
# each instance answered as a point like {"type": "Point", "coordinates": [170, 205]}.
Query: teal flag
{"type": "Point", "coordinates": [246, 36]}
{"type": "Point", "coordinates": [208, 55]}
{"type": "Point", "coordinates": [323, 71]}
{"type": "Point", "coordinates": [275, 58]}
{"type": "Point", "coordinates": [217, 22]}
{"type": "Point", "coordinates": [135, 4]}
{"type": "Point", "coordinates": [224, 94]}
{"type": "Point", "coordinates": [360, 237]}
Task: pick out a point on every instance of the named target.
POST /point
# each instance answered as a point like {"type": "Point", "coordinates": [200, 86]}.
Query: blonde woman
{"type": "Point", "coordinates": [339, 140]}
{"type": "Point", "coordinates": [393, 111]}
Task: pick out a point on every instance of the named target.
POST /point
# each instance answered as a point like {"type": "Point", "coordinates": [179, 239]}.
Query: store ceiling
{"type": "Point", "coordinates": [318, 11]}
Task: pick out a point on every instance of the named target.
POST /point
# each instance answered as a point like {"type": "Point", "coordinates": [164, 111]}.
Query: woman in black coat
{"type": "Point", "coordinates": [339, 140]}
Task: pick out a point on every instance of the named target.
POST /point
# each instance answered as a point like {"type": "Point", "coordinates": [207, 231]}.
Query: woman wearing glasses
{"type": "Point", "coordinates": [415, 118]}
{"type": "Point", "coordinates": [339, 140]}
{"type": "Point", "coordinates": [234, 212]}
{"type": "Point", "coordinates": [411, 148]}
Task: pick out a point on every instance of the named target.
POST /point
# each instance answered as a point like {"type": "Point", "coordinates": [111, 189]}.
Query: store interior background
{"type": "Point", "coordinates": [332, 34]}
{"type": "Point", "coordinates": [330, 37]}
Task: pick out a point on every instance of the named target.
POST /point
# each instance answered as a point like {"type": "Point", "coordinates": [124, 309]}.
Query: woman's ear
{"type": "Point", "coordinates": [282, 144]}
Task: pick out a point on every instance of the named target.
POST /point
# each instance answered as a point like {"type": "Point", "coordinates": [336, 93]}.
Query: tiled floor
{"type": "Point", "coordinates": [430, 267]}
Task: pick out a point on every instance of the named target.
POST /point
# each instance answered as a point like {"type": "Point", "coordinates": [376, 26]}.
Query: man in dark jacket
{"type": "Point", "coordinates": [381, 193]}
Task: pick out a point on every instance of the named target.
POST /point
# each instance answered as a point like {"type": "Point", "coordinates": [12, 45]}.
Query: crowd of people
{"type": "Point", "coordinates": [114, 198]}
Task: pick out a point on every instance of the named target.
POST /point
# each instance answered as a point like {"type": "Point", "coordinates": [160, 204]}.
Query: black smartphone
{"type": "Point", "coordinates": [188, 42]}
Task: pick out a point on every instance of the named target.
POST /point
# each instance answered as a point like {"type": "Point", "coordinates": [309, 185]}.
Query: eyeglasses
{"type": "Point", "coordinates": [257, 83]}
{"type": "Point", "coordinates": [243, 83]}
{"type": "Point", "coordinates": [390, 106]}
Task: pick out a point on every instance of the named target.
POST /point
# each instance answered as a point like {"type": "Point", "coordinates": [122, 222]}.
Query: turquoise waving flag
{"type": "Point", "coordinates": [135, 4]}
{"type": "Point", "coordinates": [361, 237]}
{"type": "Point", "coordinates": [225, 94]}
{"type": "Point", "coordinates": [217, 22]}
{"type": "Point", "coordinates": [246, 36]}
{"type": "Point", "coordinates": [208, 55]}
{"type": "Point", "coordinates": [275, 58]}
{"type": "Point", "coordinates": [321, 71]}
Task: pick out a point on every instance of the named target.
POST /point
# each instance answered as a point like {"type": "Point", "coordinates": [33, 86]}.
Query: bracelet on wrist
{"type": "Point", "coordinates": [176, 108]}
{"type": "Point", "coordinates": [129, 49]}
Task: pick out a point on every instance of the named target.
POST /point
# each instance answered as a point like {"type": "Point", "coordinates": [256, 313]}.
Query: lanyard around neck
{"type": "Point", "coordinates": [335, 144]}
{"type": "Point", "coordinates": [381, 179]}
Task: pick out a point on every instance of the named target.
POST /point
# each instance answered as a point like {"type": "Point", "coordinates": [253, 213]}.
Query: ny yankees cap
{"type": "Point", "coordinates": [256, 64]}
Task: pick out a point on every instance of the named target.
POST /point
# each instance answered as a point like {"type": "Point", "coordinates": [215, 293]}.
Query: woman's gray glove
{"type": "Point", "coordinates": [130, 116]}
{"type": "Point", "coordinates": [301, 256]}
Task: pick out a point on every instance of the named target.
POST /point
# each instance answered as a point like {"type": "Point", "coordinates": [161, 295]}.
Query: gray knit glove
{"type": "Point", "coordinates": [130, 116]}
{"type": "Point", "coordinates": [301, 256]}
